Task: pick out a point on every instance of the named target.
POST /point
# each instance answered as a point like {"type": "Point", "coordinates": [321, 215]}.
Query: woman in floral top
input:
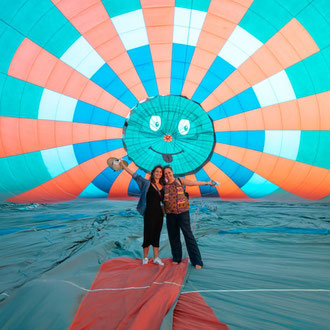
{"type": "Point", "coordinates": [177, 217]}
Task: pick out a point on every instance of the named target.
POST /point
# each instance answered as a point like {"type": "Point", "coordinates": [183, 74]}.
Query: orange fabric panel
{"type": "Point", "coordinates": [227, 188]}
{"type": "Point", "coordinates": [222, 91]}
{"type": "Point", "coordinates": [163, 84]}
{"type": "Point", "coordinates": [193, 191]}
{"type": "Point", "coordinates": [70, 184]}
{"type": "Point", "coordinates": [261, 65]}
{"type": "Point", "coordinates": [288, 46]}
{"type": "Point", "coordinates": [91, 19]}
{"type": "Point", "coordinates": [111, 49]}
{"type": "Point", "coordinates": [22, 135]}
{"type": "Point", "coordinates": [323, 101]}
{"type": "Point", "coordinates": [204, 58]}
{"type": "Point", "coordinates": [162, 70]}
{"type": "Point", "coordinates": [102, 34]}
{"type": "Point", "coordinates": [298, 178]}
{"type": "Point", "coordinates": [292, 44]}
{"type": "Point", "coordinates": [25, 59]}
{"type": "Point", "coordinates": [192, 312]}
{"type": "Point", "coordinates": [158, 13]}
{"type": "Point", "coordinates": [189, 86]}
{"type": "Point", "coordinates": [231, 10]}
{"type": "Point", "coordinates": [10, 137]}
{"type": "Point", "coordinates": [157, 3]}
{"type": "Point", "coordinates": [216, 25]}
{"type": "Point", "coordinates": [85, 15]}
{"type": "Point", "coordinates": [210, 102]}
{"type": "Point", "coordinates": [118, 63]}
{"type": "Point", "coordinates": [221, 19]}
{"type": "Point", "coordinates": [129, 295]}
{"type": "Point", "coordinates": [225, 124]}
{"type": "Point", "coordinates": [159, 35]}
{"type": "Point", "coordinates": [119, 189]}
{"type": "Point", "coordinates": [35, 65]}
{"type": "Point", "coordinates": [159, 25]}
{"type": "Point", "coordinates": [306, 113]}
{"type": "Point", "coordinates": [240, 156]}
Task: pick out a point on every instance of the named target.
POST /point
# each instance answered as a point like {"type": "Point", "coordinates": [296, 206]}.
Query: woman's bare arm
{"type": "Point", "coordinates": [187, 182]}
{"type": "Point", "coordinates": [128, 170]}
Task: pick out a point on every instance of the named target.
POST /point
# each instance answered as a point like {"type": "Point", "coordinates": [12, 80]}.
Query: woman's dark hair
{"type": "Point", "coordinates": [167, 166]}
{"type": "Point", "coordinates": [162, 179]}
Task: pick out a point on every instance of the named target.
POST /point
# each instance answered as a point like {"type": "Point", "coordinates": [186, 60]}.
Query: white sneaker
{"type": "Point", "coordinates": [145, 261]}
{"type": "Point", "coordinates": [158, 261]}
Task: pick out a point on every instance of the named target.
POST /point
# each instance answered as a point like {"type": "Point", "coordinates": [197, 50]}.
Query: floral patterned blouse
{"type": "Point", "coordinates": [174, 198]}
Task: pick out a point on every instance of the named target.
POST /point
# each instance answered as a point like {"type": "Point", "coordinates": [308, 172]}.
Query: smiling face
{"type": "Point", "coordinates": [157, 173]}
{"type": "Point", "coordinates": [169, 130]}
{"type": "Point", "coordinates": [168, 173]}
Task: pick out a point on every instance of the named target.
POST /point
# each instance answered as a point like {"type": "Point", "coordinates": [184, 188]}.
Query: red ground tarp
{"type": "Point", "coordinates": [192, 312]}
{"type": "Point", "coordinates": [128, 295]}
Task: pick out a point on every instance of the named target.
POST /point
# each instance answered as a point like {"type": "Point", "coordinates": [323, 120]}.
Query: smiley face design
{"type": "Point", "coordinates": [169, 130]}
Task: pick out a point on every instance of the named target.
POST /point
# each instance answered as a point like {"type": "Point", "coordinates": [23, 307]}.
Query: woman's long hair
{"type": "Point", "coordinates": [162, 179]}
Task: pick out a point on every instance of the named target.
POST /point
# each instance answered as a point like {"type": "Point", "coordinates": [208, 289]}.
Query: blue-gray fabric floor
{"type": "Point", "coordinates": [267, 263]}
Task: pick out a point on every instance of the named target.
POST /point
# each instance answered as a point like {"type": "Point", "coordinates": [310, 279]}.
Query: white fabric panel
{"type": "Point", "coordinates": [55, 106]}
{"type": "Point", "coordinates": [245, 41]}
{"type": "Point", "coordinates": [265, 93]}
{"type": "Point", "coordinates": [67, 157]}
{"type": "Point", "coordinates": [90, 64]}
{"type": "Point", "coordinates": [59, 160]}
{"type": "Point", "coordinates": [131, 29]}
{"type": "Point", "coordinates": [258, 187]}
{"type": "Point", "coordinates": [273, 142]}
{"type": "Point", "coordinates": [197, 19]}
{"type": "Point", "coordinates": [232, 54]}
{"type": "Point", "coordinates": [193, 37]}
{"type": "Point", "coordinates": [66, 108]}
{"type": "Point", "coordinates": [282, 86]}
{"type": "Point", "coordinates": [290, 144]}
{"type": "Point", "coordinates": [83, 58]}
{"type": "Point", "coordinates": [180, 35]}
{"type": "Point", "coordinates": [128, 22]}
{"type": "Point", "coordinates": [239, 47]}
{"type": "Point", "coordinates": [187, 25]}
{"type": "Point", "coordinates": [275, 89]}
{"type": "Point", "coordinates": [48, 105]}
{"type": "Point", "coordinates": [182, 16]}
{"type": "Point", "coordinates": [134, 39]}
{"type": "Point", "coordinates": [282, 143]}
{"type": "Point", "coordinates": [52, 162]}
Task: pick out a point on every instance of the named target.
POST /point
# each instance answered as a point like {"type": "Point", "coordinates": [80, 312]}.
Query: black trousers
{"type": "Point", "coordinates": [174, 223]}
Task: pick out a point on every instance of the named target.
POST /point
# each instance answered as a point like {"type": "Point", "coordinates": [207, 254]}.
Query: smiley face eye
{"type": "Point", "coordinates": [184, 126]}
{"type": "Point", "coordinates": [155, 123]}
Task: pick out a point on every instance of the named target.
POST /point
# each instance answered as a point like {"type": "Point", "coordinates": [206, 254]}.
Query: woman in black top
{"type": "Point", "coordinates": [153, 213]}
{"type": "Point", "coordinates": [153, 218]}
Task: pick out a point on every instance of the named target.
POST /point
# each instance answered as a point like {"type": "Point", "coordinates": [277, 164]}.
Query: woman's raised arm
{"type": "Point", "coordinates": [128, 170]}
{"type": "Point", "coordinates": [187, 182]}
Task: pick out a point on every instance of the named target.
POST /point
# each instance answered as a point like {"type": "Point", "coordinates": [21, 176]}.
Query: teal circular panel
{"type": "Point", "coordinates": [169, 130]}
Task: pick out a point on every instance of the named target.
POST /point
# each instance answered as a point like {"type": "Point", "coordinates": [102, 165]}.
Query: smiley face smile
{"type": "Point", "coordinates": [167, 157]}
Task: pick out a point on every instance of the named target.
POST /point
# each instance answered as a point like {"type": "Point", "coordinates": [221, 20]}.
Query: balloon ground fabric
{"type": "Point", "coordinates": [234, 91]}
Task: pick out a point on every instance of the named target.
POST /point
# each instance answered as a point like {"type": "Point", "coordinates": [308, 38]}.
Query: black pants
{"type": "Point", "coordinates": [174, 223]}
